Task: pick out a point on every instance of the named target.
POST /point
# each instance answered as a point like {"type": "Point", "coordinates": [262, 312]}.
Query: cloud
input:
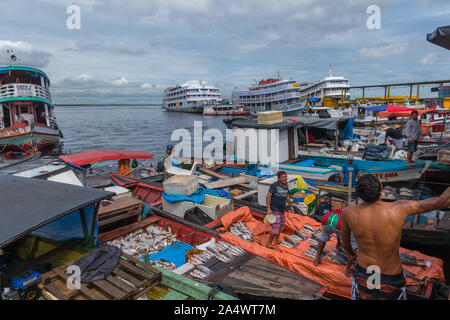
{"type": "Point", "coordinates": [428, 59]}
{"type": "Point", "coordinates": [25, 53]}
{"type": "Point", "coordinates": [120, 82]}
{"type": "Point", "coordinates": [382, 51]}
{"type": "Point", "coordinates": [146, 86]}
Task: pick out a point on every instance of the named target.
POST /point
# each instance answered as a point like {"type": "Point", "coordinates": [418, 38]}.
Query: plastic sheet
{"type": "Point", "coordinates": [327, 273]}
{"type": "Point", "coordinates": [175, 253]}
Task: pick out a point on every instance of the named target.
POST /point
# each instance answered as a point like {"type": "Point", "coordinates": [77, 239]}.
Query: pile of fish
{"type": "Point", "coordinates": [410, 260]}
{"type": "Point", "coordinates": [298, 236]}
{"type": "Point", "coordinates": [144, 241]}
{"type": "Point", "coordinates": [391, 193]}
{"type": "Point", "coordinates": [240, 230]}
{"type": "Point", "coordinates": [164, 264]}
{"type": "Point", "coordinates": [221, 251]}
{"type": "Point", "coordinates": [338, 257]}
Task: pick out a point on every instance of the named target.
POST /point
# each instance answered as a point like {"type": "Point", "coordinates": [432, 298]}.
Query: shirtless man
{"type": "Point", "coordinates": [377, 227]}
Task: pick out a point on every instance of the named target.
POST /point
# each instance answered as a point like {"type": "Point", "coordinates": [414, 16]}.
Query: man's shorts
{"type": "Point", "coordinates": [279, 222]}
{"type": "Point", "coordinates": [412, 146]}
{"type": "Point", "coordinates": [327, 231]}
{"type": "Point", "coordinates": [391, 287]}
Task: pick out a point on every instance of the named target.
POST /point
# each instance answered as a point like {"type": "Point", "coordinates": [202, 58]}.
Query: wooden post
{"type": "Point", "coordinates": [410, 92]}
{"type": "Point", "coordinates": [307, 138]}
{"type": "Point", "coordinates": [349, 198]}
{"type": "Point", "coordinates": [364, 94]}
{"type": "Point", "coordinates": [417, 98]}
{"type": "Point", "coordinates": [389, 93]}
{"type": "Point", "coordinates": [442, 132]}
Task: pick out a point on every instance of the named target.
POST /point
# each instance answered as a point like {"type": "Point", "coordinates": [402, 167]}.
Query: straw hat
{"type": "Point", "coordinates": [397, 126]}
{"type": "Point", "coordinates": [384, 127]}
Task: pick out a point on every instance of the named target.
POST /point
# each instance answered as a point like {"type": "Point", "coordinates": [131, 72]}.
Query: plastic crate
{"type": "Point", "coordinates": [184, 185]}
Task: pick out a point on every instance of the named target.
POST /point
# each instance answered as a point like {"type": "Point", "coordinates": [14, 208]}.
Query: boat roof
{"type": "Point", "coordinates": [83, 158]}
{"type": "Point", "coordinates": [6, 69]}
{"type": "Point", "coordinates": [27, 204]}
{"type": "Point", "coordinates": [440, 37]}
{"type": "Point", "coordinates": [253, 123]}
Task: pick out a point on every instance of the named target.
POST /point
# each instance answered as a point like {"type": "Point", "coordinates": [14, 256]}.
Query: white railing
{"type": "Point", "coordinates": [24, 90]}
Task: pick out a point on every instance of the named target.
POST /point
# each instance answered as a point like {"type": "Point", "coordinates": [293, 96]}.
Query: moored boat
{"type": "Point", "coordinates": [26, 112]}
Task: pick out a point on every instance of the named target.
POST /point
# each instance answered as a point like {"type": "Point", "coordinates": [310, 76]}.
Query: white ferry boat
{"type": "Point", "coordinates": [225, 108]}
{"type": "Point", "coordinates": [330, 87]}
{"type": "Point", "coordinates": [269, 94]}
{"type": "Point", "coordinates": [188, 96]}
{"type": "Point", "coordinates": [26, 109]}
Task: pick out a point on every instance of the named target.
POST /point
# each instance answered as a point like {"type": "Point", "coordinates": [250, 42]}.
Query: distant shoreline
{"type": "Point", "coordinates": [107, 104]}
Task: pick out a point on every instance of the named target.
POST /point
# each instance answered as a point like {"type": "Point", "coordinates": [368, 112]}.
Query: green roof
{"type": "Point", "coordinates": [26, 99]}
{"type": "Point", "coordinates": [26, 69]}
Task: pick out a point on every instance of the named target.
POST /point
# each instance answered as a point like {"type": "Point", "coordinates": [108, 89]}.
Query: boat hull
{"type": "Point", "coordinates": [14, 137]}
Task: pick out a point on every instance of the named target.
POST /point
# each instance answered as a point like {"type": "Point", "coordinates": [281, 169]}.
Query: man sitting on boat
{"type": "Point", "coordinates": [352, 168]}
{"type": "Point", "coordinates": [176, 161]}
{"type": "Point", "coordinates": [412, 135]}
{"type": "Point", "coordinates": [377, 227]}
{"type": "Point", "coordinates": [331, 223]}
{"type": "Point", "coordinates": [276, 204]}
{"type": "Point", "coordinates": [394, 134]}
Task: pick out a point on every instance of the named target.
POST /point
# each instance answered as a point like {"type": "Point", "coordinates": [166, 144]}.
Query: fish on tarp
{"type": "Point", "coordinates": [301, 235]}
{"type": "Point", "coordinates": [286, 244]}
{"type": "Point", "coordinates": [316, 247]}
{"type": "Point", "coordinates": [408, 274]}
{"type": "Point", "coordinates": [291, 242]}
{"type": "Point", "coordinates": [336, 259]}
{"type": "Point", "coordinates": [410, 260]}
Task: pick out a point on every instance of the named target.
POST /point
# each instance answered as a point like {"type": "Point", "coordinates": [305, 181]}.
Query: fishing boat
{"type": "Point", "coordinates": [248, 276]}
{"type": "Point", "coordinates": [322, 168]}
{"type": "Point", "coordinates": [92, 168]}
{"type": "Point", "coordinates": [26, 112]}
{"type": "Point", "coordinates": [223, 109]}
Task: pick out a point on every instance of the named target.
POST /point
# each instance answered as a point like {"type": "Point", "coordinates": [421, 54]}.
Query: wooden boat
{"type": "Point", "coordinates": [224, 109]}
{"type": "Point", "coordinates": [249, 276]}
{"type": "Point", "coordinates": [414, 292]}
{"type": "Point", "coordinates": [385, 170]}
{"type": "Point", "coordinates": [84, 165]}
{"type": "Point", "coordinates": [26, 113]}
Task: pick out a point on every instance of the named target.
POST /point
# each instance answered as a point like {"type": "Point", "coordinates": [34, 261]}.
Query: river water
{"type": "Point", "coordinates": [147, 128]}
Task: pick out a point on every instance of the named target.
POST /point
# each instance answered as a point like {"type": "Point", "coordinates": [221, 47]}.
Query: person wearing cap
{"type": "Point", "coordinates": [412, 135]}
{"type": "Point", "coordinates": [176, 161]}
{"type": "Point", "coordinates": [349, 167]}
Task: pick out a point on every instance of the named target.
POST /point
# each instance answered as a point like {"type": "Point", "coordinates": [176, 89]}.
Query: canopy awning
{"type": "Point", "coordinates": [83, 158]}
{"type": "Point", "coordinates": [321, 123]}
{"type": "Point", "coordinates": [27, 204]}
{"type": "Point", "coordinates": [440, 37]}
{"type": "Point", "coordinates": [402, 112]}
{"type": "Point", "coordinates": [379, 108]}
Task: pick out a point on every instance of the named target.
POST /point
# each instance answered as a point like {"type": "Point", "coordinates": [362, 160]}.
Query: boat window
{"type": "Point", "coordinates": [24, 109]}
{"type": "Point", "coordinates": [40, 114]}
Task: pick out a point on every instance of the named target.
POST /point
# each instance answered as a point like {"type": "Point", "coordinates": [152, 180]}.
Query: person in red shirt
{"type": "Point", "coordinates": [331, 223]}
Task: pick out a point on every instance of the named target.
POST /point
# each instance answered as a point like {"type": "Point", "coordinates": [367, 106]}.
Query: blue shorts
{"type": "Point", "coordinates": [412, 146]}
{"type": "Point", "coordinates": [327, 231]}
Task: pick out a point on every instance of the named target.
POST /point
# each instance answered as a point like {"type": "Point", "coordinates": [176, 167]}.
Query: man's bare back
{"type": "Point", "coordinates": [377, 228]}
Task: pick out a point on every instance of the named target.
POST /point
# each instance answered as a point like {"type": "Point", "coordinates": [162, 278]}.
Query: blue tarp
{"type": "Point", "coordinates": [306, 163]}
{"type": "Point", "coordinates": [197, 197]}
{"type": "Point", "coordinates": [382, 107]}
{"type": "Point", "coordinates": [224, 193]}
{"type": "Point", "coordinates": [348, 130]}
{"type": "Point", "coordinates": [313, 99]}
{"type": "Point", "coordinates": [175, 253]}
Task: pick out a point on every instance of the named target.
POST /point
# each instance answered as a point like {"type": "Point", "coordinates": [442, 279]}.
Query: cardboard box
{"type": "Point", "coordinates": [270, 117]}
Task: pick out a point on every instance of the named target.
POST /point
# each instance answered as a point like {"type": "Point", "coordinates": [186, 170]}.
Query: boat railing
{"type": "Point", "coordinates": [24, 90]}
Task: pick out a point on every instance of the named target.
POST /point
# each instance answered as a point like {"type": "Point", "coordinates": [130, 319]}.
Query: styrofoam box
{"type": "Point", "coordinates": [264, 185]}
{"type": "Point", "coordinates": [214, 207]}
{"type": "Point", "coordinates": [184, 185]}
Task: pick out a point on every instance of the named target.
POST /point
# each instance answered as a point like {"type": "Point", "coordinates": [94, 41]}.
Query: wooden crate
{"type": "Point", "coordinates": [120, 209]}
{"type": "Point", "coordinates": [129, 280]}
{"type": "Point", "coordinates": [444, 157]}
{"type": "Point", "coordinates": [270, 117]}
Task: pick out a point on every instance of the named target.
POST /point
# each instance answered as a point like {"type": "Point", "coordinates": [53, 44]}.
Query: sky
{"type": "Point", "coordinates": [128, 51]}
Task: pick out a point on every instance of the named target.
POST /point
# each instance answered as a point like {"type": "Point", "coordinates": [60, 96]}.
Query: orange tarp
{"type": "Point", "coordinates": [328, 273]}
